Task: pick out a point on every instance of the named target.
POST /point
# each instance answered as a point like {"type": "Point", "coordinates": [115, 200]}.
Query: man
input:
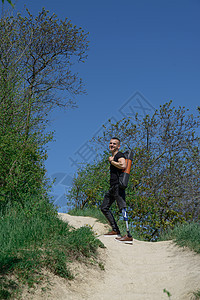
{"type": "Point", "coordinates": [115, 193]}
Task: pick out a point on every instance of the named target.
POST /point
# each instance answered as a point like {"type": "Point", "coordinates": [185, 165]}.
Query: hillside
{"type": "Point", "coordinates": [133, 272]}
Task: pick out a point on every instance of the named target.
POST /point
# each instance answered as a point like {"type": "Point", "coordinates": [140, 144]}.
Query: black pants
{"type": "Point", "coordinates": [114, 194]}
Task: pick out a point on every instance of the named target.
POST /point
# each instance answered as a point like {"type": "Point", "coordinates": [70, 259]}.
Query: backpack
{"type": "Point", "coordinates": [124, 175]}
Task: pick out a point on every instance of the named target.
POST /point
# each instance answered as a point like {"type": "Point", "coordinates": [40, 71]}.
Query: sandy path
{"type": "Point", "coordinates": [133, 272]}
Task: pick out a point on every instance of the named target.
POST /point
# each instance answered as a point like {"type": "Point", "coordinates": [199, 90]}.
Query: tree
{"type": "Point", "coordinates": [9, 1]}
{"type": "Point", "coordinates": [43, 50]}
{"type": "Point", "coordinates": [89, 184]}
{"type": "Point", "coordinates": [164, 182]}
{"type": "Point", "coordinates": [36, 57]}
{"type": "Point", "coordinates": [22, 158]}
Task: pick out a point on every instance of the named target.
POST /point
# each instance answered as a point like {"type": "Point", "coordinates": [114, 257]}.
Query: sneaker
{"type": "Point", "coordinates": [125, 239]}
{"type": "Point", "coordinates": [113, 233]}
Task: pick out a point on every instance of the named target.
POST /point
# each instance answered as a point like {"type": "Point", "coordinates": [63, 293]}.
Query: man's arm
{"type": "Point", "coordinates": [121, 164]}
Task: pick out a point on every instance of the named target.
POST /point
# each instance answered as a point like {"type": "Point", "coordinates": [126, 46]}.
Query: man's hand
{"type": "Point", "coordinates": [111, 158]}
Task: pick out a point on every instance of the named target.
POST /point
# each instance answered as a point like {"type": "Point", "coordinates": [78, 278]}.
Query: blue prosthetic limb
{"type": "Point", "coordinates": [125, 216]}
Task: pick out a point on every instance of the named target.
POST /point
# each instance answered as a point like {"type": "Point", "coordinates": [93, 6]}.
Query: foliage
{"type": "Point", "coordinates": [21, 155]}
{"type": "Point", "coordinates": [35, 63]}
{"type": "Point", "coordinates": [36, 76]}
{"type": "Point", "coordinates": [196, 295]}
{"type": "Point", "coordinates": [89, 185]}
{"type": "Point", "coordinates": [164, 183]}
{"type": "Point", "coordinates": [43, 49]}
{"type": "Point", "coordinates": [168, 293]}
{"type": "Point", "coordinates": [185, 235]}
{"type": "Point", "coordinates": [9, 1]}
{"type": "Point", "coordinates": [35, 238]}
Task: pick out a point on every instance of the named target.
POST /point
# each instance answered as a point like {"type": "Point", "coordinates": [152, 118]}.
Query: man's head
{"type": "Point", "coordinates": [114, 144]}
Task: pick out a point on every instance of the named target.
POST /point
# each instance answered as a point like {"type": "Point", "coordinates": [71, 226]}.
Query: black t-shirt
{"type": "Point", "coordinates": [114, 171]}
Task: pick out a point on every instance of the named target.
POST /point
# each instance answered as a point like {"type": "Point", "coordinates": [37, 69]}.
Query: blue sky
{"type": "Point", "coordinates": [146, 49]}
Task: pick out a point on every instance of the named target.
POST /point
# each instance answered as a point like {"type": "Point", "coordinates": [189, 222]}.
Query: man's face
{"type": "Point", "coordinates": [114, 145]}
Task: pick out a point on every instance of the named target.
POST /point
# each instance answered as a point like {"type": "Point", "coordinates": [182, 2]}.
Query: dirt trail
{"type": "Point", "coordinates": [133, 272]}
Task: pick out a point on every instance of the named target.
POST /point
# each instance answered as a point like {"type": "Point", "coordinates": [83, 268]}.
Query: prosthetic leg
{"type": "Point", "coordinates": [125, 216]}
{"type": "Point", "coordinates": [127, 239]}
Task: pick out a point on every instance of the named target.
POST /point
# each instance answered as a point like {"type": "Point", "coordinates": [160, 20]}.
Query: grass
{"type": "Point", "coordinates": [185, 235]}
{"type": "Point", "coordinates": [34, 240]}
{"type": "Point", "coordinates": [197, 295]}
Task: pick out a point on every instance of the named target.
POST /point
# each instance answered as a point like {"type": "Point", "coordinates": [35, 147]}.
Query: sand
{"type": "Point", "coordinates": [140, 271]}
